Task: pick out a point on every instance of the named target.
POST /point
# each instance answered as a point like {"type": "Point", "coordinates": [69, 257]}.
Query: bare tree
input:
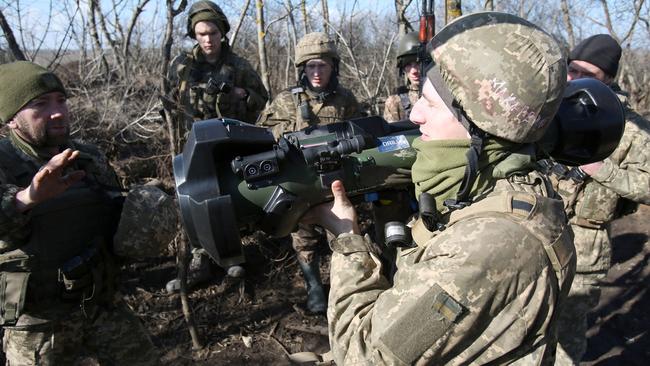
{"type": "Point", "coordinates": [94, 34]}
{"type": "Point", "coordinates": [305, 16]}
{"type": "Point", "coordinates": [261, 34]}
{"type": "Point", "coordinates": [235, 32]}
{"type": "Point", "coordinates": [566, 17]}
{"type": "Point", "coordinates": [403, 24]}
{"type": "Point", "coordinates": [11, 40]}
{"type": "Point", "coordinates": [326, 16]}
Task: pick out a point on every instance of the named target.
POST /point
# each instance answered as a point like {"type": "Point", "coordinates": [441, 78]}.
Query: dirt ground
{"type": "Point", "coordinates": [259, 320]}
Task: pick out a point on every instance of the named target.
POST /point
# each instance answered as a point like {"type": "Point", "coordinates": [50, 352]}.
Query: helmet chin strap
{"type": "Point", "coordinates": [477, 138]}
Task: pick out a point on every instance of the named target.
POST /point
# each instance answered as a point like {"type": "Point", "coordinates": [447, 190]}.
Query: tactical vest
{"type": "Point", "coordinates": [532, 212]}
{"type": "Point", "coordinates": [403, 94]}
{"type": "Point", "coordinates": [311, 111]}
{"type": "Point", "coordinates": [587, 203]}
{"type": "Point", "coordinates": [65, 258]}
{"type": "Point", "coordinates": [207, 94]}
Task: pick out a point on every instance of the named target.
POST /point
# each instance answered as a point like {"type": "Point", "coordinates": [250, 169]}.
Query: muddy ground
{"type": "Point", "coordinates": [259, 320]}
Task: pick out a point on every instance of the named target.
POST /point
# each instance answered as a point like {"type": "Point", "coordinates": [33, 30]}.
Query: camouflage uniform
{"type": "Point", "coordinates": [453, 301]}
{"type": "Point", "coordinates": [51, 318]}
{"type": "Point", "coordinates": [398, 106]}
{"type": "Point", "coordinates": [484, 283]}
{"type": "Point", "coordinates": [284, 114]}
{"type": "Point", "coordinates": [188, 79]}
{"type": "Point", "coordinates": [592, 204]}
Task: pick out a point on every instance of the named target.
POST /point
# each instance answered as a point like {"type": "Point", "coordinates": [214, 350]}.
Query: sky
{"type": "Point", "coordinates": [36, 14]}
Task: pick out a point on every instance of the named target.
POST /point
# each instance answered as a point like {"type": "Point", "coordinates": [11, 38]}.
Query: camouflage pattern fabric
{"type": "Point", "coordinates": [488, 62]}
{"type": "Point", "coordinates": [284, 115]}
{"type": "Point", "coordinates": [305, 242]}
{"type": "Point", "coordinates": [54, 331]}
{"type": "Point", "coordinates": [14, 227]}
{"type": "Point", "coordinates": [114, 337]}
{"type": "Point", "coordinates": [147, 224]}
{"type": "Point", "coordinates": [482, 291]}
{"type": "Point", "coordinates": [393, 108]}
{"type": "Point", "coordinates": [592, 206]}
{"type": "Point", "coordinates": [188, 79]}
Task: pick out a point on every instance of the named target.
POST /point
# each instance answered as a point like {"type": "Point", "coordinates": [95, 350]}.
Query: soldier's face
{"type": "Point", "coordinates": [209, 38]}
{"type": "Point", "coordinates": [434, 118]}
{"type": "Point", "coordinates": [412, 71]}
{"type": "Point", "coordinates": [318, 72]}
{"type": "Point", "coordinates": [44, 121]}
{"type": "Point", "coordinates": [582, 69]}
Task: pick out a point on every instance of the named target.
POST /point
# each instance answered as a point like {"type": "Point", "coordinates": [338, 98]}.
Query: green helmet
{"type": "Point", "coordinates": [506, 74]}
{"type": "Point", "coordinates": [315, 45]}
{"type": "Point", "coordinates": [407, 49]}
{"type": "Point", "coordinates": [208, 11]}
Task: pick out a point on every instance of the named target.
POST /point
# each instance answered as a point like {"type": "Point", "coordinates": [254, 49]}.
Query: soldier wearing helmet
{"type": "Point", "coordinates": [493, 257]}
{"type": "Point", "coordinates": [211, 81]}
{"type": "Point", "coordinates": [318, 99]}
{"type": "Point", "coordinates": [398, 105]}
{"type": "Point", "coordinates": [594, 195]}
{"type": "Point", "coordinates": [60, 201]}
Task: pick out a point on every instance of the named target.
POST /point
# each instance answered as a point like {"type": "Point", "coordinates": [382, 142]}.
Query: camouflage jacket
{"type": "Point", "coordinates": [14, 226]}
{"type": "Point", "coordinates": [195, 99]}
{"type": "Point", "coordinates": [285, 114]}
{"type": "Point", "coordinates": [398, 106]}
{"type": "Point", "coordinates": [484, 290]}
{"type": "Point", "coordinates": [592, 203]}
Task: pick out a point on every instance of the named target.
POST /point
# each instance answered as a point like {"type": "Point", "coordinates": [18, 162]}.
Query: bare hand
{"type": "Point", "coordinates": [592, 168]}
{"type": "Point", "coordinates": [338, 216]}
{"type": "Point", "coordinates": [50, 181]}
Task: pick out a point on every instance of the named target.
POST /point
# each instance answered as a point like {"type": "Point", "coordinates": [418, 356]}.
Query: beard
{"type": "Point", "coordinates": [52, 134]}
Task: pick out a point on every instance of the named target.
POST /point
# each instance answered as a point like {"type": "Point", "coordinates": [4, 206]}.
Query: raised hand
{"type": "Point", "coordinates": [50, 181]}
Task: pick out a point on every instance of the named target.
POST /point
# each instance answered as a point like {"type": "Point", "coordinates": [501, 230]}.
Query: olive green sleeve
{"type": "Point", "coordinates": [257, 93]}
{"type": "Point", "coordinates": [280, 115]}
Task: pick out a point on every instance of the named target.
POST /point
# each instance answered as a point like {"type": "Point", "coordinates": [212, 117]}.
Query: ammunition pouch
{"type": "Point", "coordinates": [81, 275]}
{"type": "Point", "coordinates": [14, 277]}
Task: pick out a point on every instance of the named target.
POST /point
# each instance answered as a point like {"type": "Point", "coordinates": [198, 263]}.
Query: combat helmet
{"type": "Point", "coordinates": [315, 45]}
{"type": "Point", "coordinates": [501, 76]}
{"type": "Point", "coordinates": [500, 73]}
{"type": "Point", "coordinates": [207, 11]}
{"type": "Point", "coordinates": [407, 49]}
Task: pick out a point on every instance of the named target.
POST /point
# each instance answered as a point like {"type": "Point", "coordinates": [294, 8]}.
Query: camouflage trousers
{"type": "Point", "coordinates": [593, 260]}
{"type": "Point", "coordinates": [114, 337]}
{"type": "Point", "coordinates": [305, 241]}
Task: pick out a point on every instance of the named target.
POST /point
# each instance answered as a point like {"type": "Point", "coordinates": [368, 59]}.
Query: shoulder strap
{"type": "Point", "coordinates": [302, 106]}
{"type": "Point", "coordinates": [516, 205]}
{"type": "Point", "coordinates": [406, 104]}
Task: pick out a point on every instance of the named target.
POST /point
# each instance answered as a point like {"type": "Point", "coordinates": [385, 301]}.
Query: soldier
{"type": "Point", "coordinates": [493, 258]}
{"type": "Point", "coordinates": [398, 106]}
{"type": "Point", "coordinates": [318, 99]}
{"type": "Point", "coordinates": [57, 216]}
{"type": "Point", "coordinates": [594, 193]}
{"type": "Point", "coordinates": [211, 81]}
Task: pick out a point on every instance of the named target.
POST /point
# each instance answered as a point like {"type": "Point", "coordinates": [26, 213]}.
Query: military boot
{"type": "Point", "coordinates": [316, 300]}
{"type": "Point", "coordinates": [198, 272]}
